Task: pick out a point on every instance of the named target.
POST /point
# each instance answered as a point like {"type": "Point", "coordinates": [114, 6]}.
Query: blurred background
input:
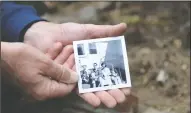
{"type": "Point", "coordinates": [158, 47]}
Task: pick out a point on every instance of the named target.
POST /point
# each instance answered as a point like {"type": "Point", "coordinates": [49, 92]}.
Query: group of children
{"type": "Point", "coordinates": [100, 76]}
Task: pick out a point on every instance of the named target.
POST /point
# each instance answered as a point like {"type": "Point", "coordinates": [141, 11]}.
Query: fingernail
{"type": "Point", "coordinates": [124, 24]}
{"type": "Point", "coordinates": [126, 91]}
{"type": "Point", "coordinates": [111, 104]}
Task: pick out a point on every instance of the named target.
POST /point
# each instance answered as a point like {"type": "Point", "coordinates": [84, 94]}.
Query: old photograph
{"type": "Point", "coordinates": [102, 64]}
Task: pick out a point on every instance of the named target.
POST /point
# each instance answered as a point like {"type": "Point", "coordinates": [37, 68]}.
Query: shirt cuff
{"type": "Point", "coordinates": [18, 22]}
{"type": "Point", "coordinates": [22, 33]}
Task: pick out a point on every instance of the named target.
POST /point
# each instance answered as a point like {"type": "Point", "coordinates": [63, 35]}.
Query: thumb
{"type": "Point", "coordinates": [101, 31]}
{"type": "Point", "coordinates": [61, 73]}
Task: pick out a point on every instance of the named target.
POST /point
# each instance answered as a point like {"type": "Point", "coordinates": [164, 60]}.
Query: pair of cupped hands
{"type": "Point", "coordinates": [44, 67]}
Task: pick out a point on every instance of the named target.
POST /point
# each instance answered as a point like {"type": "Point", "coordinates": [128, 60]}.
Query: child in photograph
{"type": "Point", "coordinates": [115, 77]}
{"type": "Point", "coordinates": [95, 67]}
{"type": "Point", "coordinates": [106, 79]}
{"type": "Point", "coordinates": [84, 75]}
{"type": "Point", "coordinates": [93, 79]}
{"type": "Point", "coordinates": [97, 73]}
{"type": "Point", "coordinates": [102, 80]}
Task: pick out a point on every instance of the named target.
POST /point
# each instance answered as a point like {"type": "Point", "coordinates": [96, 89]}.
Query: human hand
{"type": "Point", "coordinates": [43, 35]}
{"type": "Point", "coordinates": [35, 73]}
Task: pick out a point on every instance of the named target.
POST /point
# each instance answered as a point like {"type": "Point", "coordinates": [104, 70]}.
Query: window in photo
{"type": "Point", "coordinates": [92, 48]}
{"type": "Point", "coordinates": [80, 48]}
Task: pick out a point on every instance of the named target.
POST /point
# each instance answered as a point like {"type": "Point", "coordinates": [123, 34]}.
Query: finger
{"type": "Point", "coordinates": [55, 50]}
{"type": "Point", "coordinates": [126, 91]}
{"type": "Point", "coordinates": [106, 98]}
{"type": "Point", "coordinates": [101, 31]}
{"type": "Point", "coordinates": [117, 94]}
{"type": "Point", "coordinates": [70, 61]}
{"type": "Point", "coordinates": [63, 56]}
{"type": "Point", "coordinates": [60, 89]}
{"type": "Point", "coordinates": [91, 98]}
{"type": "Point", "coordinates": [61, 73]}
{"type": "Point", "coordinates": [56, 89]}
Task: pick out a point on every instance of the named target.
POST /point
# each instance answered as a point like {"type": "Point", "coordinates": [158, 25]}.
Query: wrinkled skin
{"type": "Point", "coordinates": [35, 73]}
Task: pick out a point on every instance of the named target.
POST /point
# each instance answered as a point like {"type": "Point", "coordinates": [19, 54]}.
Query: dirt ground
{"type": "Point", "coordinates": [158, 45]}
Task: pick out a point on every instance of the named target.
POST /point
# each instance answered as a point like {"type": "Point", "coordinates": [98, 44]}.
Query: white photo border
{"type": "Point", "coordinates": [126, 64]}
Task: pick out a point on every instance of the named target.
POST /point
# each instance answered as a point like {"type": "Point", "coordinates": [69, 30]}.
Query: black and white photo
{"type": "Point", "coordinates": [102, 64]}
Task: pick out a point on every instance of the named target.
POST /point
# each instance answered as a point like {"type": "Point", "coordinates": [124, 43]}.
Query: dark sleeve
{"type": "Point", "coordinates": [15, 20]}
